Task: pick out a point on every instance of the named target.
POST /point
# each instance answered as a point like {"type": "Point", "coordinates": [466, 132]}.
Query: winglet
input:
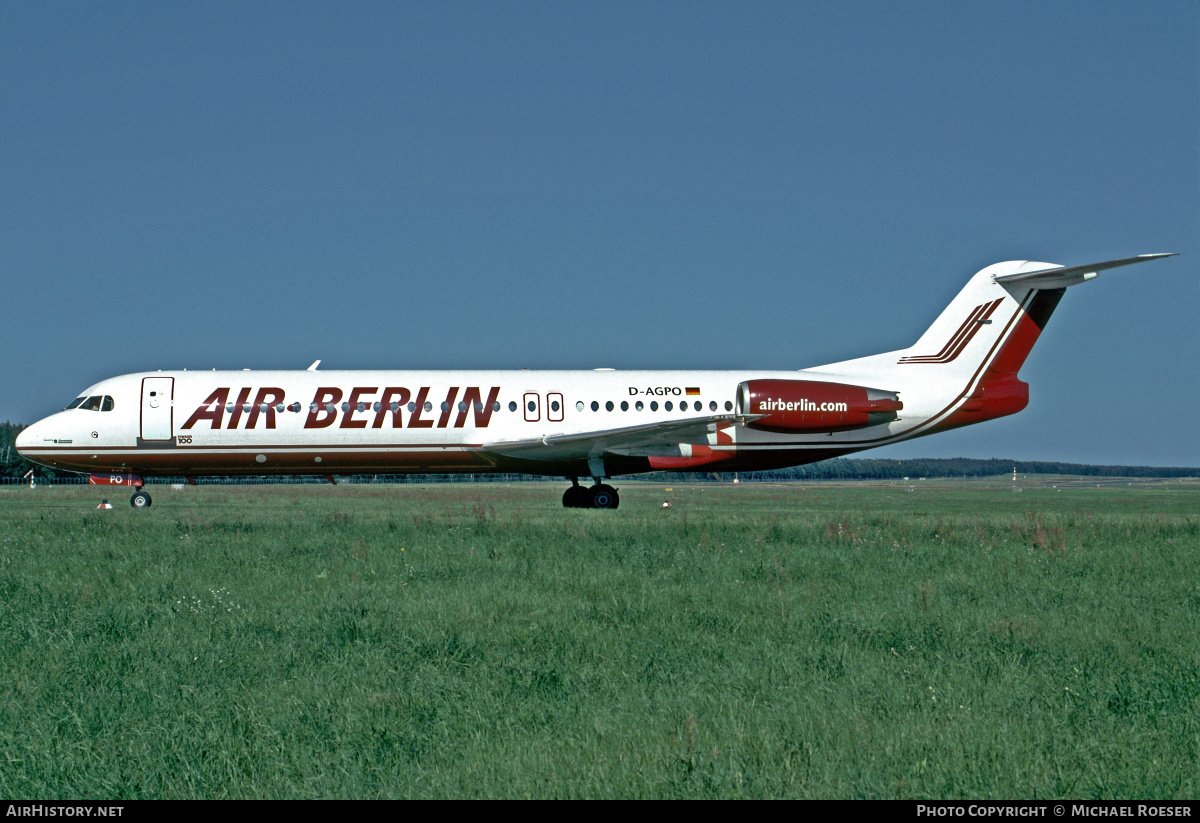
{"type": "Point", "coordinates": [1061, 277]}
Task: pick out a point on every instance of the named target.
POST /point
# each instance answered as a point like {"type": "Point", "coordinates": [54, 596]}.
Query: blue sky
{"type": "Point", "coordinates": [632, 185]}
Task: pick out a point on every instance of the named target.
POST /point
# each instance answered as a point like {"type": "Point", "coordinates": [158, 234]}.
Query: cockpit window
{"type": "Point", "coordinates": [96, 403]}
{"type": "Point", "coordinates": [75, 403]}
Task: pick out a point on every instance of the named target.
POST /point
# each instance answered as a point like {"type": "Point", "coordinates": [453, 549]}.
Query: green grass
{"type": "Point", "coordinates": [956, 640]}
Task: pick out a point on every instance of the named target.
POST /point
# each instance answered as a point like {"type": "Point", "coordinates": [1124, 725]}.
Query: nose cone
{"type": "Point", "coordinates": [31, 443]}
{"type": "Point", "coordinates": [27, 438]}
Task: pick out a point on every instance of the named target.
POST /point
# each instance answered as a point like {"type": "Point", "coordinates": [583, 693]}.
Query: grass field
{"type": "Point", "coordinates": [959, 640]}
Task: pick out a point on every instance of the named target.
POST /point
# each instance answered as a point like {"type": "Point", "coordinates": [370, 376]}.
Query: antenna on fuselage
{"type": "Point", "coordinates": [313, 367]}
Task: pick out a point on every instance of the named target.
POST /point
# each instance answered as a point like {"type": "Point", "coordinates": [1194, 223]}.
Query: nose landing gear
{"type": "Point", "coordinates": [599, 496]}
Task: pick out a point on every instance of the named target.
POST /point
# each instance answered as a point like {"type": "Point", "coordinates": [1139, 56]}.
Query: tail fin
{"type": "Point", "coordinates": [963, 369]}
{"type": "Point", "coordinates": [978, 344]}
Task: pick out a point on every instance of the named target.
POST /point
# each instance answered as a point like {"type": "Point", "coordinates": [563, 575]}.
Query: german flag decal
{"type": "Point", "coordinates": [692, 391]}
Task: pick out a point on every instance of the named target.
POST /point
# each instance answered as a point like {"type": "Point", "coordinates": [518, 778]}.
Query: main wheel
{"type": "Point", "coordinates": [140, 500]}
{"type": "Point", "coordinates": [604, 497]}
{"type": "Point", "coordinates": [576, 497]}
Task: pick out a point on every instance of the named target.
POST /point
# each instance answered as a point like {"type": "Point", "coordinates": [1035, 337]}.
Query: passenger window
{"type": "Point", "coordinates": [638, 405]}
{"type": "Point", "coordinates": [624, 405]}
{"type": "Point", "coordinates": [653, 405]}
{"type": "Point", "coordinates": [595, 406]}
{"type": "Point", "coordinates": [668, 405]}
{"type": "Point", "coordinates": [728, 405]}
{"type": "Point", "coordinates": [608, 406]}
{"type": "Point", "coordinates": [512, 405]}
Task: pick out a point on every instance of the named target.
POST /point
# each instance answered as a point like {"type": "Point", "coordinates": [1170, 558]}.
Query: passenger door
{"type": "Point", "coordinates": [158, 395]}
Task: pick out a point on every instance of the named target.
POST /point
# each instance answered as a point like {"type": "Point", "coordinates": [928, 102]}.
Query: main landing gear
{"type": "Point", "coordinates": [140, 500]}
{"type": "Point", "coordinates": [599, 496]}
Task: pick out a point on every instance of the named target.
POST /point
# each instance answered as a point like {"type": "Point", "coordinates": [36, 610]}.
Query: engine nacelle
{"type": "Point", "coordinates": [813, 406]}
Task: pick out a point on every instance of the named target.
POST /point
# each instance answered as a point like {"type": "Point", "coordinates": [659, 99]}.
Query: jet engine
{"type": "Point", "coordinates": [813, 406]}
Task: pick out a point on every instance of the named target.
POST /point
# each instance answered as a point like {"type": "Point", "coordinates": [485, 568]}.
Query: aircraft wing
{"type": "Point", "coordinates": [646, 439]}
{"type": "Point", "coordinates": [1061, 277]}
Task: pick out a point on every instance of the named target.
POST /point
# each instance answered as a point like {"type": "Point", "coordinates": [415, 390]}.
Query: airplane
{"type": "Point", "coordinates": [590, 424]}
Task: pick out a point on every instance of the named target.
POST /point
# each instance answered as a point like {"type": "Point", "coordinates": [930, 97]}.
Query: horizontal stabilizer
{"type": "Point", "coordinates": [1061, 277]}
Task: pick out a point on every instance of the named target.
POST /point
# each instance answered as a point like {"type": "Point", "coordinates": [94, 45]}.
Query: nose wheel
{"type": "Point", "coordinates": [599, 496]}
{"type": "Point", "coordinates": [140, 500]}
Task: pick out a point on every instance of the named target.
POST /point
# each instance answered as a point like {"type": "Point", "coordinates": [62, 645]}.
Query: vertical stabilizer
{"type": "Point", "coordinates": [979, 343]}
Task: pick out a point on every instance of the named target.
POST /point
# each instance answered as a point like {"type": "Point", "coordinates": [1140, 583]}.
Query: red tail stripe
{"type": "Point", "coordinates": [950, 343]}
{"type": "Point", "coordinates": [959, 340]}
{"type": "Point", "coordinates": [957, 334]}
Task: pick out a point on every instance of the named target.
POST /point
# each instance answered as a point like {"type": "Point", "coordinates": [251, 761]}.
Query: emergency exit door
{"type": "Point", "coordinates": [533, 407]}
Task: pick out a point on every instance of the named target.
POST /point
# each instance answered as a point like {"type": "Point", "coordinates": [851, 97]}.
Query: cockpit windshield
{"type": "Point", "coordinates": [97, 402]}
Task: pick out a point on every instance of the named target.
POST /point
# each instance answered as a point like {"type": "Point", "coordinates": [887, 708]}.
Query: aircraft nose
{"type": "Point", "coordinates": [29, 437]}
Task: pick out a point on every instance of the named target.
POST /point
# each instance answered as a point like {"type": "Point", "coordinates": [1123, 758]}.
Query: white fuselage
{"type": "Point", "coordinates": [962, 370]}
{"type": "Point", "coordinates": [337, 422]}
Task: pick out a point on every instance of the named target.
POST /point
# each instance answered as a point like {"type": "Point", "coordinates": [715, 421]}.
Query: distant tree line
{"type": "Point", "coordinates": [845, 468]}
{"type": "Point", "coordinates": [11, 463]}
{"type": "Point", "coordinates": [839, 468]}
